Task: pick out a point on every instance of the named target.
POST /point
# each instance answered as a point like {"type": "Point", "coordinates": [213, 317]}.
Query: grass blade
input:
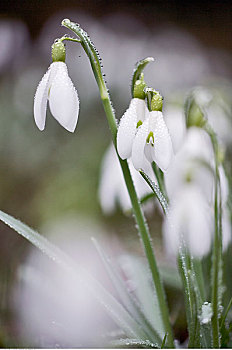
{"type": "Point", "coordinates": [117, 312]}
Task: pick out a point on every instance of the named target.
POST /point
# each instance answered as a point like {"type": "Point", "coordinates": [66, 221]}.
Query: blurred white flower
{"type": "Point", "coordinates": [192, 164]}
{"type": "Point", "coordinates": [175, 121]}
{"type": "Point", "coordinates": [112, 187]}
{"type": "Point", "coordinates": [190, 220]}
{"type": "Point", "coordinates": [53, 308]}
{"type": "Point", "coordinates": [190, 187]}
{"type": "Point", "coordinates": [132, 118]}
{"type": "Point", "coordinates": [57, 87]}
{"type": "Point", "coordinates": [152, 142]}
{"type": "Point", "coordinates": [219, 118]}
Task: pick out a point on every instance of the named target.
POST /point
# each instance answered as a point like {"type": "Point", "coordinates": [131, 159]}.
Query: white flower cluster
{"type": "Point", "coordinates": [143, 136]}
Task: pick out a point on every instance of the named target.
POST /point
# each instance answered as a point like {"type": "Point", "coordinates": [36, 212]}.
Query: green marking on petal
{"type": "Point", "coordinates": [139, 123]}
{"type": "Point", "coordinates": [150, 138]}
{"type": "Point", "coordinates": [188, 177]}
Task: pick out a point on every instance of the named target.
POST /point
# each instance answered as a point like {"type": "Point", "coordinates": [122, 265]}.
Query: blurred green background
{"type": "Point", "coordinates": [50, 175]}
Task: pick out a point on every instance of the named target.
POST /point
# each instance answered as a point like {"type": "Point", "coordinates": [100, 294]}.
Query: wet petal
{"type": "Point", "coordinates": [40, 101]}
{"type": "Point", "coordinates": [138, 156]}
{"type": "Point", "coordinates": [128, 127]}
{"type": "Point", "coordinates": [162, 150]}
{"type": "Point", "coordinates": [63, 98]}
{"type": "Point", "coordinates": [141, 108]}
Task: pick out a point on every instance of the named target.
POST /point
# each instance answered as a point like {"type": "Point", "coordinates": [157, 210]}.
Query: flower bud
{"type": "Point", "coordinates": [139, 86]}
{"type": "Point", "coordinates": [58, 51]}
{"type": "Point", "coordinates": [156, 102]}
{"type": "Point", "coordinates": [195, 116]}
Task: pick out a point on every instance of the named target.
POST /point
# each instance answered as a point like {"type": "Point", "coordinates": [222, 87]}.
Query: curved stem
{"type": "Point", "coordinates": [140, 219]}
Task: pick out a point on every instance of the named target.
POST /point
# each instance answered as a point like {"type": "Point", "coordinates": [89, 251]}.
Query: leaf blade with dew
{"type": "Point", "coordinates": [164, 341]}
{"type": "Point", "coordinates": [198, 327]}
{"type": "Point", "coordinates": [126, 298]}
{"type": "Point", "coordinates": [203, 321]}
{"type": "Point", "coordinates": [159, 195]}
{"type": "Point", "coordinates": [134, 342]}
{"type": "Point", "coordinates": [139, 67]}
{"type": "Point", "coordinates": [144, 291]}
{"type": "Point", "coordinates": [226, 313]}
{"type": "Point", "coordinates": [188, 294]}
{"type": "Point", "coordinates": [117, 312]}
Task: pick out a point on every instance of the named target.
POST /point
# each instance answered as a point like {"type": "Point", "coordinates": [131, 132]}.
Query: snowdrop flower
{"type": "Point", "coordinates": [152, 141]}
{"type": "Point", "coordinates": [57, 88]}
{"type": "Point", "coordinates": [190, 221]}
{"type": "Point", "coordinates": [112, 187]}
{"type": "Point", "coordinates": [192, 163]}
{"type": "Point", "coordinates": [190, 187]}
{"type": "Point", "coordinates": [175, 121]}
{"type": "Point", "coordinates": [131, 120]}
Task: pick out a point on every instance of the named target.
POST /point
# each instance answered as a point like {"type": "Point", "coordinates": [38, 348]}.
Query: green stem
{"type": "Point", "coordinates": [215, 321]}
{"type": "Point", "coordinates": [159, 176]}
{"type": "Point", "coordinates": [226, 313]}
{"type": "Point", "coordinates": [140, 219]}
{"type": "Point", "coordinates": [197, 266]}
{"type": "Point", "coordinates": [217, 245]}
{"type": "Point", "coordinates": [142, 226]}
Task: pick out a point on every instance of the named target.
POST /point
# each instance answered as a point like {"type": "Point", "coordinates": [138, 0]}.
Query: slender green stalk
{"type": "Point", "coordinates": [215, 321]}
{"type": "Point", "coordinates": [197, 266]}
{"type": "Point", "coordinates": [217, 246]}
{"type": "Point", "coordinates": [226, 313]}
{"type": "Point", "coordinates": [142, 227]}
{"type": "Point", "coordinates": [140, 219]}
{"type": "Point", "coordinates": [159, 176]}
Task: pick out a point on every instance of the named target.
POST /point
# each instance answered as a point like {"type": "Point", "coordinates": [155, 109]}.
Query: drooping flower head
{"type": "Point", "coordinates": [152, 141]}
{"type": "Point", "coordinates": [131, 120]}
{"type": "Point", "coordinates": [142, 132]}
{"type": "Point", "coordinates": [190, 187]}
{"type": "Point", "coordinates": [57, 88]}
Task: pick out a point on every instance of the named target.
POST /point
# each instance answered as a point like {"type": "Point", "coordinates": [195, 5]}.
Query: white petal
{"type": "Point", "coordinates": [138, 156]}
{"type": "Point", "coordinates": [224, 184]}
{"type": "Point", "coordinates": [40, 101]}
{"type": "Point", "coordinates": [162, 150]}
{"type": "Point", "coordinates": [175, 121]}
{"type": "Point", "coordinates": [112, 189]}
{"type": "Point", "coordinates": [141, 108]}
{"type": "Point", "coordinates": [191, 220]}
{"type": "Point", "coordinates": [199, 225]}
{"type": "Point", "coordinates": [63, 98]}
{"type": "Point", "coordinates": [128, 127]}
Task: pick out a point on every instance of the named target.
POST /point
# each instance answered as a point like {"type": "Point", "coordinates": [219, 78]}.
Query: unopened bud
{"type": "Point", "coordinates": [139, 86]}
{"type": "Point", "coordinates": [58, 51]}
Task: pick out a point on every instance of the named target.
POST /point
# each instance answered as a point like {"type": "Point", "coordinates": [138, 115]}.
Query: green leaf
{"type": "Point", "coordinates": [134, 343]}
{"type": "Point", "coordinates": [164, 341]}
{"type": "Point", "coordinates": [145, 291]}
{"type": "Point", "coordinates": [116, 311]}
{"type": "Point", "coordinates": [191, 312]}
{"type": "Point", "coordinates": [199, 326]}
{"type": "Point", "coordinates": [139, 67]}
{"type": "Point", "coordinates": [126, 298]}
{"type": "Point", "coordinates": [159, 195]}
